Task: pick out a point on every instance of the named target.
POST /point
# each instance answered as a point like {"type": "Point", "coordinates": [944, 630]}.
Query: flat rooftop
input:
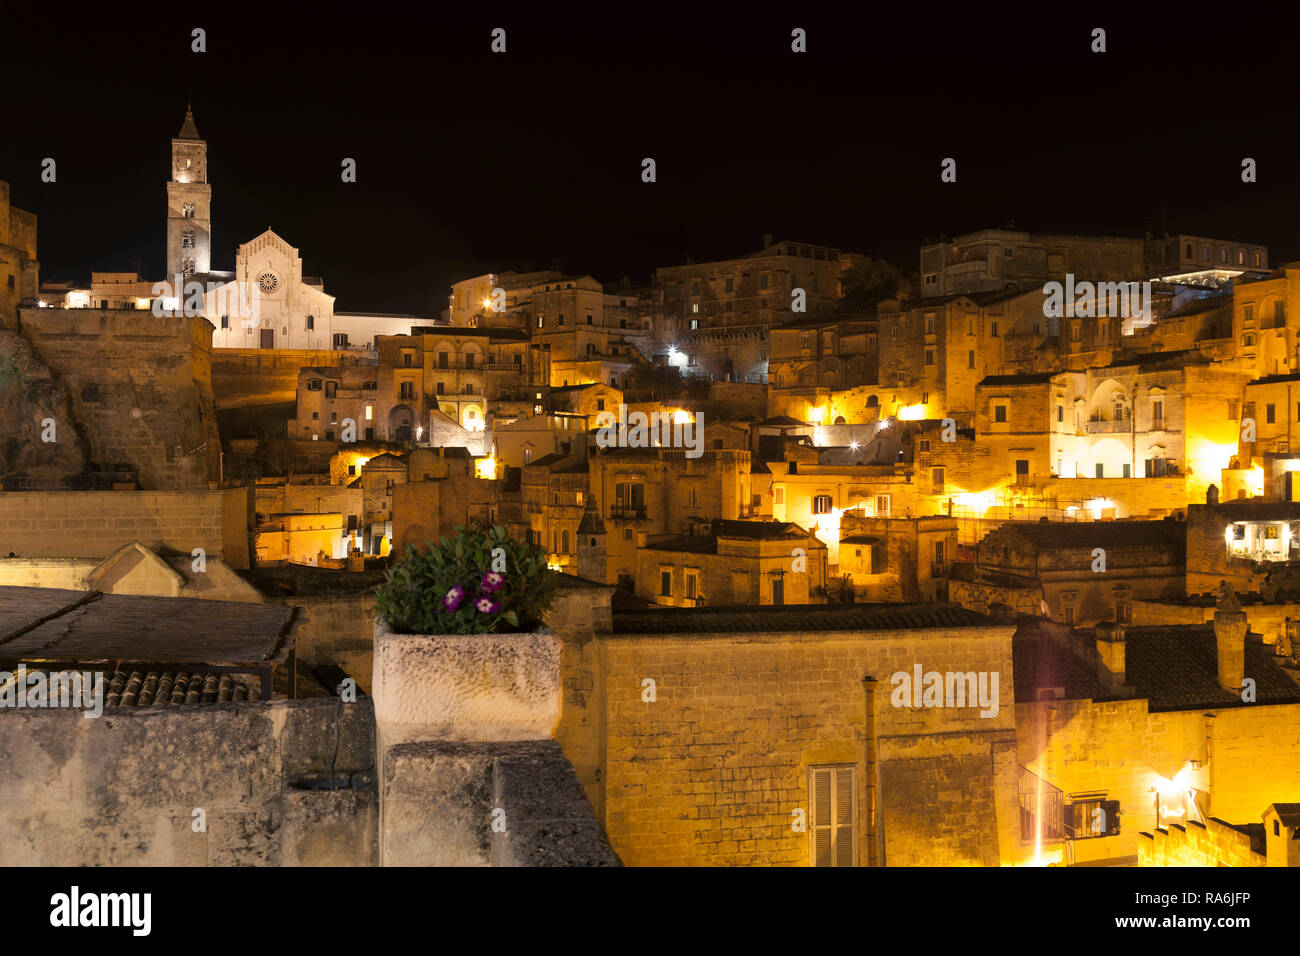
{"type": "Point", "coordinates": [58, 627]}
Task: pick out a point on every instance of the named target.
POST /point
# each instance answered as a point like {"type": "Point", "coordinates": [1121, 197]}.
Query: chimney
{"type": "Point", "coordinates": [1230, 639]}
{"type": "Point", "coordinates": [1111, 656]}
{"type": "Point", "coordinates": [767, 240]}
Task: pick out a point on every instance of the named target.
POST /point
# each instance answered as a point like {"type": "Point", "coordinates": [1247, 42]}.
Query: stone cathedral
{"type": "Point", "coordinates": [292, 311]}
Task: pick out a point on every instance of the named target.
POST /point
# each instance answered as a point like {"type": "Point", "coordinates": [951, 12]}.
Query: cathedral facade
{"type": "Point", "coordinates": [270, 304]}
{"type": "Point", "coordinates": [267, 302]}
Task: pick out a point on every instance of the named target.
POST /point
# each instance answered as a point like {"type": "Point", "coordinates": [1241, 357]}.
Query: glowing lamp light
{"type": "Point", "coordinates": [853, 445]}
{"type": "Point", "coordinates": [815, 415]}
{"type": "Point", "coordinates": [911, 413]}
{"type": "Point", "coordinates": [419, 432]}
{"type": "Point", "coordinates": [485, 468]}
{"type": "Point", "coordinates": [683, 417]}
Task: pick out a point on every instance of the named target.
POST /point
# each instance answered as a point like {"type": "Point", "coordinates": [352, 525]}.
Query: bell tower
{"type": "Point", "coordinates": [189, 204]}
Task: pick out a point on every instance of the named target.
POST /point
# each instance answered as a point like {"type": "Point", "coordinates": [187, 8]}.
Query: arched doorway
{"type": "Point", "coordinates": [401, 421]}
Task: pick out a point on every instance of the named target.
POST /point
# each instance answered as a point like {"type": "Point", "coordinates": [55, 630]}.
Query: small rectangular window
{"type": "Point", "coordinates": [665, 583]}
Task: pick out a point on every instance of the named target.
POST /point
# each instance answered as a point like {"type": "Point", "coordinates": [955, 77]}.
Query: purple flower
{"type": "Point", "coordinates": [487, 605]}
{"type": "Point", "coordinates": [491, 582]}
{"type": "Point", "coordinates": [453, 599]}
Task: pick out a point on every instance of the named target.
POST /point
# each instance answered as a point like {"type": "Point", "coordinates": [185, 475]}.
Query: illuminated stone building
{"type": "Point", "coordinates": [743, 563]}
{"type": "Point", "coordinates": [995, 259]}
{"type": "Point", "coordinates": [713, 317]}
{"type": "Point", "coordinates": [897, 558]}
{"type": "Point", "coordinates": [20, 277]}
{"type": "Point", "coordinates": [1150, 726]}
{"type": "Point", "coordinates": [1082, 572]}
{"type": "Point", "coordinates": [1266, 321]}
{"type": "Point", "coordinates": [822, 352]}
{"type": "Point", "coordinates": [1202, 261]}
{"type": "Point", "coordinates": [1241, 542]}
{"type": "Point", "coordinates": [764, 745]}
{"type": "Point", "coordinates": [554, 488]}
{"type": "Point", "coordinates": [933, 354]}
{"type": "Point", "coordinates": [457, 371]}
{"type": "Point", "coordinates": [657, 491]}
{"type": "Point", "coordinates": [529, 439]}
{"type": "Point", "coordinates": [582, 332]}
{"type": "Point", "coordinates": [816, 496]}
{"type": "Point", "coordinates": [332, 399]}
{"type": "Point", "coordinates": [270, 304]}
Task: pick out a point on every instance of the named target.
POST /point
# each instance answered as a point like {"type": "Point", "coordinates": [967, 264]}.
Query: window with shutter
{"type": "Point", "coordinates": [833, 829]}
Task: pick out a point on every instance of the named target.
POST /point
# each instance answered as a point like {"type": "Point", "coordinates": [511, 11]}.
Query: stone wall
{"type": "Point", "coordinates": [1267, 619]}
{"type": "Point", "coordinates": [1213, 843]}
{"type": "Point", "coordinates": [335, 629]}
{"type": "Point", "coordinates": [94, 524]}
{"type": "Point", "coordinates": [246, 377]}
{"type": "Point", "coordinates": [140, 389]}
{"type": "Point", "coordinates": [711, 771]}
{"type": "Point", "coordinates": [121, 790]}
{"type": "Point", "coordinates": [452, 803]}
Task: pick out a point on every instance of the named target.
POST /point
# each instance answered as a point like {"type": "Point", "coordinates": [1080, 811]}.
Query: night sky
{"type": "Point", "coordinates": [470, 162]}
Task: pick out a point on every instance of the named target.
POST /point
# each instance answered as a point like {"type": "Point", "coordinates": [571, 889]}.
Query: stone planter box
{"type": "Point", "coordinates": [467, 687]}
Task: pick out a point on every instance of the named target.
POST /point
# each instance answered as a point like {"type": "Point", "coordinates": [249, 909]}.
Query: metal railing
{"type": "Point", "coordinates": [1109, 428]}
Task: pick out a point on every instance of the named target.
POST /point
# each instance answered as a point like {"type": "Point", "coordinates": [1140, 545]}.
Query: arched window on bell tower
{"type": "Point", "coordinates": [188, 210]}
{"type": "Point", "coordinates": [187, 266]}
{"type": "Point", "coordinates": [187, 239]}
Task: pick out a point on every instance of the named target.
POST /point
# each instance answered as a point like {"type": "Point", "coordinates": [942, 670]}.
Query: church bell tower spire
{"type": "Point", "coordinates": [189, 204]}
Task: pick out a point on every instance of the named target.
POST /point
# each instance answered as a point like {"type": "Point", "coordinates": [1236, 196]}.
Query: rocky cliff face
{"type": "Point", "coordinates": [34, 403]}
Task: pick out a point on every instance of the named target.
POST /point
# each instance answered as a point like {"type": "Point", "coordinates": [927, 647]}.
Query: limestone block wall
{"type": "Point", "coordinates": [247, 377]}
{"type": "Point", "coordinates": [94, 524]}
{"type": "Point", "coordinates": [710, 771]}
{"type": "Point", "coordinates": [140, 389]}
{"type": "Point", "coordinates": [1212, 843]}
{"type": "Point", "coordinates": [336, 629]}
{"type": "Point", "coordinates": [495, 803]}
{"type": "Point", "coordinates": [1268, 620]}
{"type": "Point", "coordinates": [121, 789]}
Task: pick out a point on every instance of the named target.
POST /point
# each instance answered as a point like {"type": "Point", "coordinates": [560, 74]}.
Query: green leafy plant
{"type": "Point", "coordinates": [480, 581]}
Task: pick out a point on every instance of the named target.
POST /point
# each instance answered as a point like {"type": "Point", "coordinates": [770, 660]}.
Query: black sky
{"type": "Point", "coordinates": [470, 162]}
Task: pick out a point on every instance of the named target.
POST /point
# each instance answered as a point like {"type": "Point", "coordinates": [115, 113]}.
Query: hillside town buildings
{"type": "Point", "coordinates": [962, 476]}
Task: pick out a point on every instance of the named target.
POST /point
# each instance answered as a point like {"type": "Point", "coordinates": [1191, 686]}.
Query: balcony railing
{"type": "Point", "coordinates": [627, 512]}
{"type": "Point", "coordinates": [1109, 428]}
